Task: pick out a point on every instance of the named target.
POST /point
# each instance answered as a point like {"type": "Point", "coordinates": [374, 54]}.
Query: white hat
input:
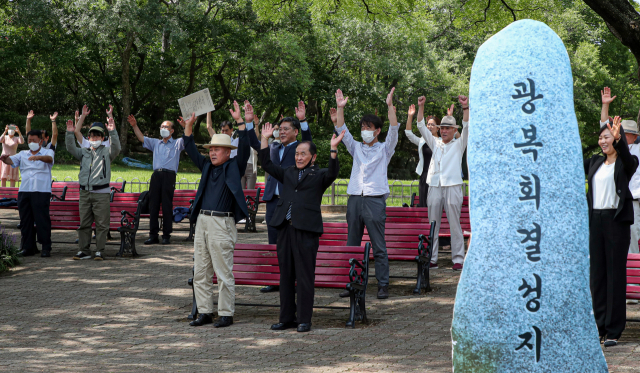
{"type": "Point", "coordinates": [448, 122]}
{"type": "Point", "coordinates": [220, 140]}
{"type": "Point", "coordinates": [630, 127]}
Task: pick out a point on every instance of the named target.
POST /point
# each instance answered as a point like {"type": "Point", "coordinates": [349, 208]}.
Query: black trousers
{"type": "Point", "coordinates": [608, 249]}
{"type": "Point", "coordinates": [34, 208]}
{"type": "Point", "coordinates": [161, 188]}
{"type": "Point", "coordinates": [272, 231]}
{"type": "Point", "coordinates": [423, 189]}
{"type": "Point", "coordinates": [297, 252]}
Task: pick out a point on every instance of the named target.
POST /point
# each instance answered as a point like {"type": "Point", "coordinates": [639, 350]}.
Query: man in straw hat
{"type": "Point", "coordinates": [218, 206]}
{"type": "Point", "coordinates": [94, 178]}
{"type": "Point", "coordinates": [445, 177]}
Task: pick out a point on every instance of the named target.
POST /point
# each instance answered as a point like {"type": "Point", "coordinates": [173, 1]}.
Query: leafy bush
{"type": "Point", "coordinates": [8, 251]}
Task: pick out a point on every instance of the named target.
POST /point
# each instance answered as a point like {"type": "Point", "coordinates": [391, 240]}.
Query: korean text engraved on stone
{"type": "Point", "coordinates": [528, 107]}
{"type": "Point", "coordinates": [528, 343]}
{"type": "Point", "coordinates": [530, 144]}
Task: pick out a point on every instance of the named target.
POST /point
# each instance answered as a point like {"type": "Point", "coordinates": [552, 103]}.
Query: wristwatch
{"type": "Point", "coordinates": [333, 151]}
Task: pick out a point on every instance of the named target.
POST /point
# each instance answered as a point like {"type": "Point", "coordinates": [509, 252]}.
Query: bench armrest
{"type": "Point", "coordinates": [128, 220]}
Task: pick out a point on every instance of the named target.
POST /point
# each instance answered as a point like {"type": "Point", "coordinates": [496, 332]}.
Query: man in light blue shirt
{"type": "Point", "coordinates": [34, 193]}
{"type": "Point", "coordinates": [166, 158]}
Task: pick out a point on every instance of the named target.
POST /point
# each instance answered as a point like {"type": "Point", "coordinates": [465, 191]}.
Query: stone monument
{"type": "Point", "coordinates": [523, 302]}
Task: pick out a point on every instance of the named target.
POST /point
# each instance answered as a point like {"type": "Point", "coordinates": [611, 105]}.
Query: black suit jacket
{"type": "Point", "coordinates": [233, 170]}
{"type": "Point", "coordinates": [626, 165]}
{"type": "Point", "coordinates": [305, 196]}
{"type": "Point", "coordinates": [288, 159]}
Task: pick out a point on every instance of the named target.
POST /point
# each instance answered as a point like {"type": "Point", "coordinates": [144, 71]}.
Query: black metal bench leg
{"type": "Point", "coordinates": [351, 323]}
{"type": "Point", "coordinates": [194, 305]}
{"type": "Point", "coordinates": [191, 231]}
{"type": "Point", "coordinates": [420, 277]}
{"type": "Point", "coordinates": [363, 310]}
{"type": "Point", "coordinates": [127, 244]}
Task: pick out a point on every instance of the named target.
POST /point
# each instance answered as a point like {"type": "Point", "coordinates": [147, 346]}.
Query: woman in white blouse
{"type": "Point", "coordinates": [610, 217]}
{"type": "Point", "coordinates": [424, 152]}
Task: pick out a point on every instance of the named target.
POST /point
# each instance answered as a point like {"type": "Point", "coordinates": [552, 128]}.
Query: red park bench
{"type": "Point", "coordinates": [257, 265]}
{"type": "Point", "coordinates": [633, 278]}
{"type": "Point", "coordinates": [420, 215]}
{"type": "Point", "coordinates": [70, 190]}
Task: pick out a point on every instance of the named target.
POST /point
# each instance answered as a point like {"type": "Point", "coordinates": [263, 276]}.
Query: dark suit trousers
{"type": "Point", "coordinates": [297, 252]}
{"type": "Point", "coordinates": [271, 208]}
{"type": "Point", "coordinates": [34, 208]}
{"type": "Point", "coordinates": [608, 249]}
{"type": "Point", "coordinates": [161, 190]}
{"type": "Point", "coordinates": [423, 189]}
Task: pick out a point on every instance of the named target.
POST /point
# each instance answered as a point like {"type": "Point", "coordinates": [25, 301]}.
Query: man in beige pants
{"type": "Point", "coordinates": [444, 178]}
{"type": "Point", "coordinates": [218, 206]}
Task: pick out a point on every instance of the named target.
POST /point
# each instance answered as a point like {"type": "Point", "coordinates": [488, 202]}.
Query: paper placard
{"type": "Point", "coordinates": [199, 103]}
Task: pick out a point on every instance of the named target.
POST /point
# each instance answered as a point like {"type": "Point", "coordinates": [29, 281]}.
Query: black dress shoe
{"type": "Point", "coordinates": [270, 288]}
{"type": "Point", "coordinates": [45, 254]}
{"type": "Point", "coordinates": [284, 325]}
{"type": "Point", "coordinates": [152, 240]}
{"type": "Point", "coordinates": [345, 294]}
{"type": "Point", "coordinates": [304, 327]}
{"type": "Point", "coordinates": [223, 321]}
{"type": "Point", "coordinates": [203, 319]}
{"type": "Point", "coordinates": [24, 253]}
{"type": "Point", "coordinates": [610, 342]}
{"type": "Point", "coordinates": [166, 241]}
{"type": "Point", "coordinates": [383, 292]}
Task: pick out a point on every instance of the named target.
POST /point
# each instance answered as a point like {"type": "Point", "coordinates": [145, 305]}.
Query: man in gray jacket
{"type": "Point", "coordinates": [94, 177]}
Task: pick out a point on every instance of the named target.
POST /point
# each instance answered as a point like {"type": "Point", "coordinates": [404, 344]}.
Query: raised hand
{"type": "Point", "coordinates": [615, 130]}
{"type": "Point", "coordinates": [77, 116]}
{"type": "Point", "coordinates": [606, 96]}
{"type": "Point", "coordinates": [110, 111]}
{"type": "Point", "coordinates": [412, 110]}
{"type": "Point", "coordinates": [111, 124]}
{"type": "Point", "coordinates": [334, 115]}
{"type": "Point", "coordinates": [450, 111]}
{"type": "Point", "coordinates": [267, 130]}
{"type": "Point", "coordinates": [421, 100]}
{"type": "Point", "coordinates": [85, 111]}
{"type": "Point", "coordinates": [192, 118]}
{"type": "Point", "coordinates": [70, 126]}
{"type": "Point", "coordinates": [464, 101]}
{"type": "Point", "coordinates": [134, 123]}
{"type": "Point", "coordinates": [54, 116]}
{"type": "Point", "coordinates": [235, 113]}
{"type": "Point", "coordinates": [335, 140]}
{"type": "Point", "coordinates": [301, 111]}
{"type": "Point", "coordinates": [341, 101]}
{"type": "Point", "coordinates": [248, 112]}
{"type": "Point", "coordinates": [390, 97]}
{"type": "Point", "coordinates": [181, 122]}
{"type": "Point", "coordinates": [30, 115]}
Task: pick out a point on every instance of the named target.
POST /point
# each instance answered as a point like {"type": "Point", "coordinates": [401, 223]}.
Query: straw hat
{"type": "Point", "coordinates": [630, 127]}
{"type": "Point", "coordinates": [220, 140]}
{"type": "Point", "coordinates": [448, 122]}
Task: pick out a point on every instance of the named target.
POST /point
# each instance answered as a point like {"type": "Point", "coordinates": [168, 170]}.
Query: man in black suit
{"type": "Point", "coordinates": [282, 154]}
{"type": "Point", "coordinates": [298, 221]}
{"type": "Point", "coordinates": [218, 206]}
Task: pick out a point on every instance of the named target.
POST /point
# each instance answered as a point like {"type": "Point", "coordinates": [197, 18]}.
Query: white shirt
{"type": "Point", "coordinates": [35, 175]}
{"type": "Point", "coordinates": [446, 163]}
{"type": "Point", "coordinates": [420, 142]}
{"type": "Point", "coordinates": [234, 152]}
{"type": "Point", "coordinates": [604, 188]}
{"type": "Point", "coordinates": [369, 170]}
{"type": "Point", "coordinates": [634, 183]}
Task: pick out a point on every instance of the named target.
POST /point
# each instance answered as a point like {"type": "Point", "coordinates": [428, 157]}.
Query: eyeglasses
{"type": "Point", "coordinates": [286, 129]}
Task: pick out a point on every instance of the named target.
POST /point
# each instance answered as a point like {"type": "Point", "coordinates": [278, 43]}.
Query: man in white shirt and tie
{"type": "Point", "coordinates": [34, 193]}
{"type": "Point", "coordinates": [445, 178]}
{"type": "Point", "coordinates": [368, 186]}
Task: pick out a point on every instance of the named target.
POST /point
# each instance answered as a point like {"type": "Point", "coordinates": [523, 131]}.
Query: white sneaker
{"type": "Point", "coordinates": [243, 221]}
{"type": "Point", "coordinates": [264, 222]}
{"type": "Point", "coordinates": [81, 256]}
{"type": "Point", "coordinates": [632, 301]}
{"type": "Point", "coordinates": [98, 256]}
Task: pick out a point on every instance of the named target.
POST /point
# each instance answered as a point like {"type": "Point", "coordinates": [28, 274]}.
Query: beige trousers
{"type": "Point", "coordinates": [214, 243]}
{"type": "Point", "coordinates": [449, 198]}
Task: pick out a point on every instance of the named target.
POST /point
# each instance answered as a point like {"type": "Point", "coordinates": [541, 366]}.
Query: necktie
{"type": "Point", "coordinates": [289, 210]}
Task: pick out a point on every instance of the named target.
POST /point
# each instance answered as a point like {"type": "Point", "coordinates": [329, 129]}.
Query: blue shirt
{"type": "Point", "coordinates": [165, 155]}
{"type": "Point", "coordinates": [35, 175]}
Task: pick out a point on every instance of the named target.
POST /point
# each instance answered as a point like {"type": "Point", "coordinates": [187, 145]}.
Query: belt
{"type": "Point", "coordinates": [372, 196]}
{"type": "Point", "coordinates": [95, 187]}
{"type": "Point", "coordinates": [164, 170]}
{"type": "Point", "coordinates": [216, 213]}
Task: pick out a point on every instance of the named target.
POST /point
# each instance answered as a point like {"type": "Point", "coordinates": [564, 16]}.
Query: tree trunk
{"type": "Point", "coordinates": [126, 93]}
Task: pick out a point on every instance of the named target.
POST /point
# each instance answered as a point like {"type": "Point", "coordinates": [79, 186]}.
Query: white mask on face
{"type": "Point", "coordinates": [276, 134]}
{"type": "Point", "coordinates": [95, 144]}
{"type": "Point", "coordinates": [11, 132]}
{"type": "Point", "coordinates": [367, 136]}
{"type": "Point", "coordinates": [164, 133]}
{"type": "Point", "coordinates": [34, 146]}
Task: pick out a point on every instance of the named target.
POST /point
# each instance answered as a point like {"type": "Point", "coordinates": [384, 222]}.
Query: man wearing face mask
{"type": "Point", "coordinates": [299, 223]}
{"type": "Point", "coordinates": [94, 178]}
{"type": "Point", "coordinates": [166, 157]}
{"type": "Point", "coordinates": [369, 187]}
{"type": "Point", "coordinates": [218, 206]}
{"type": "Point", "coordinates": [34, 193]}
{"type": "Point", "coordinates": [281, 154]}
{"type": "Point", "coordinates": [445, 177]}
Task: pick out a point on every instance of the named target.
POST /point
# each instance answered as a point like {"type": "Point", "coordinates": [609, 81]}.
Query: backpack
{"type": "Point", "coordinates": [143, 202]}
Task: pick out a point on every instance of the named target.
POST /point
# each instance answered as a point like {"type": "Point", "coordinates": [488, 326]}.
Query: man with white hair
{"type": "Point", "coordinates": [445, 177]}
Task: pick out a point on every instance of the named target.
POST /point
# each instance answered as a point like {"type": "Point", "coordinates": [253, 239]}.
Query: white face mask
{"type": "Point", "coordinates": [11, 132]}
{"type": "Point", "coordinates": [95, 144]}
{"type": "Point", "coordinates": [367, 136]}
{"type": "Point", "coordinates": [276, 134]}
{"type": "Point", "coordinates": [34, 146]}
{"type": "Point", "coordinates": [164, 133]}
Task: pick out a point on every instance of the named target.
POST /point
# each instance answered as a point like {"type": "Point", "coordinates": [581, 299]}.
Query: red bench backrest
{"type": "Point", "coordinates": [633, 276]}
